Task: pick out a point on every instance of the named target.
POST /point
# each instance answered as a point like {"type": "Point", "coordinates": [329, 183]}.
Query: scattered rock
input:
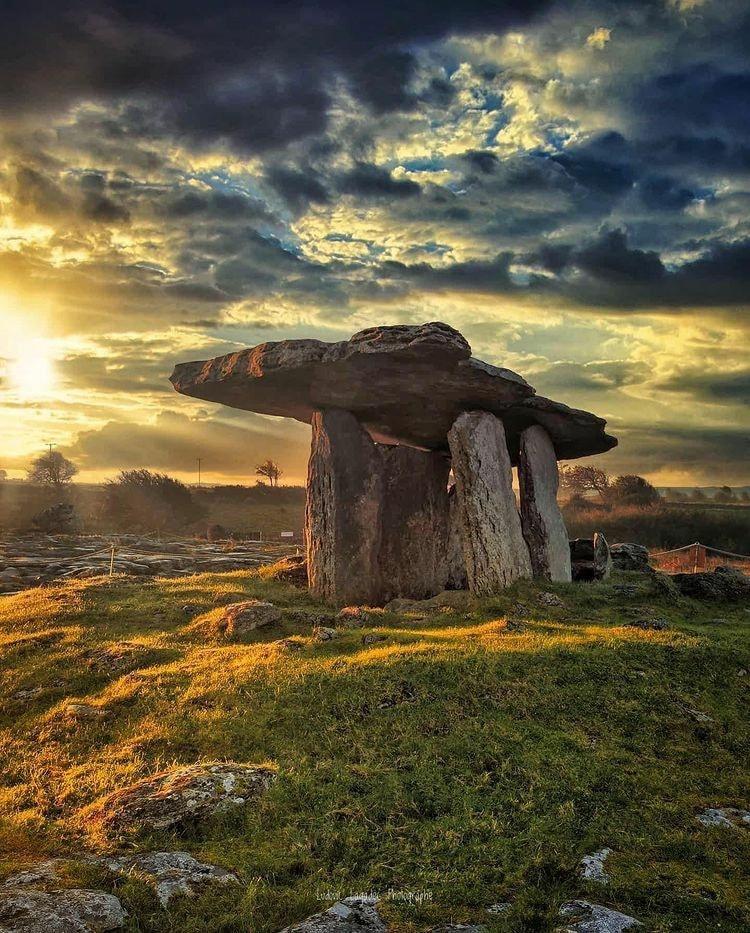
{"type": "Point", "coordinates": [238, 619]}
{"type": "Point", "coordinates": [723, 583]}
{"type": "Point", "coordinates": [649, 624]}
{"type": "Point", "coordinates": [550, 599]}
{"type": "Point", "coordinates": [499, 908]}
{"type": "Point", "coordinates": [584, 917]}
{"type": "Point", "coordinates": [356, 616]}
{"type": "Point", "coordinates": [84, 712]}
{"type": "Point", "coordinates": [371, 637]}
{"type": "Point", "coordinates": [459, 928]}
{"type": "Point", "coordinates": [351, 915]}
{"type": "Point", "coordinates": [724, 816]}
{"type": "Point", "coordinates": [717, 621]}
{"type": "Point", "coordinates": [116, 659]}
{"type": "Point", "coordinates": [180, 795]}
{"type": "Point", "coordinates": [26, 910]}
{"type": "Point", "coordinates": [590, 558]}
{"type": "Point", "coordinates": [630, 557]}
{"type": "Point", "coordinates": [592, 866]}
{"type": "Point", "coordinates": [190, 609]}
{"type": "Point", "coordinates": [292, 644]}
{"type": "Point", "coordinates": [697, 715]}
{"type": "Point", "coordinates": [514, 625]}
{"type": "Point", "coordinates": [625, 590]}
{"type": "Point", "coordinates": [172, 873]}
{"type": "Point", "coordinates": [447, 600]}
{"type": "Point", "coordinates": [39, 874]}
{"type": "Point", "coordinates": [322, 633]}
{"type": "Point", "coordinates": [291, 570]}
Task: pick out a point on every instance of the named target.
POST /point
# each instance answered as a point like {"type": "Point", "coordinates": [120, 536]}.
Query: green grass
{"type": "Point", "coordinates": [453, 757]}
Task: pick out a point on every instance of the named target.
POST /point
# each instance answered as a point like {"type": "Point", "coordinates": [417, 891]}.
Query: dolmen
{"type": "Point", "coordinates": [394, 411]}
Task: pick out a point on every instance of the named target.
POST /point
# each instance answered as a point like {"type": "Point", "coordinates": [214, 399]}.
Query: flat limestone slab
{"type": "Point", "coordinates": [541, 518]}
{"type": "Point", "coordinates": [494, 548]}
{"type": "Point", "coordinates": [405, 384]}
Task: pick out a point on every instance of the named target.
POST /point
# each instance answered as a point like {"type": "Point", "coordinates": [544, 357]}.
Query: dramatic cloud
{"type": "Point", "coordinates": [568, 183]}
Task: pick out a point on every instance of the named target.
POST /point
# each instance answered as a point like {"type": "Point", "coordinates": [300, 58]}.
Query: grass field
{"type": "Point", "coordinates": [456, 757]}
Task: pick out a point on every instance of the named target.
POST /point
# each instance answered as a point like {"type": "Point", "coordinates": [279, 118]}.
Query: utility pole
{"type": "Point", "coordinates": [199, 459]}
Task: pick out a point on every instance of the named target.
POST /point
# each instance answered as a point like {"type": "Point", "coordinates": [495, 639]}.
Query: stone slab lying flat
{"type": "Point", "coordinates": [406, 384]}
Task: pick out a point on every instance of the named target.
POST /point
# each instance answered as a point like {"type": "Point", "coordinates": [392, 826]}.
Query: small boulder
{"type": "Point", "coordinates": [371, 637]}
{"type": "Point", "coordinates": [592, 866]}
{"type": "Point", "coordinates": [355, 616]}
{"type": "Point", "coordinates": [723, 583]}
{"type": "Point", "coordinates": [178, 796]}
{"type": "Point", "coordinates": [171, 873]}
{"type": "Point", "coordinates": [27, 910]}
{"type": "Point", "coordinates": [729, 817]}
{"type": "Point", "coordinates": [584, 917]}
{"type": "Point", "coordinates": [237, 619]}
{"type": "Point", "coordinates": [649, 624]}
{"type": "Point", "coordinates": [323, 633]}
{"type": "Point", "coordinates": [350, 915]}
{"type": "Point", "coordinates": [630, 557]}
{"type": "Point", "coordinates": [551, 599]}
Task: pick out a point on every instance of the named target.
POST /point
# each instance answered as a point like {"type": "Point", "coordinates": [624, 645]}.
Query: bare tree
{"type": "Point", "coordinates": [580, 479]}
{"type": "Point", "coordinates": [270, 470]}
{"type": "Point", "coordinates": [52, 469]}
{"type": "Point", "coordinates": [3, 475]}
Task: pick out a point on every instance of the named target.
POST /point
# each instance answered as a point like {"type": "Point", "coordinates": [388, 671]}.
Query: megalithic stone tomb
{"type": "Point", "coordinates": [393, 410]}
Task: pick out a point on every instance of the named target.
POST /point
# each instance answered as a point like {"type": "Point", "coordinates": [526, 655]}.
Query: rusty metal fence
{"type": "Point", "coordinates": [694, 558]}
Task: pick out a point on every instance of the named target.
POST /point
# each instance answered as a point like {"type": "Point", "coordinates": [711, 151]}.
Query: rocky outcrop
{"type": "Point", "coordinates": [406, 383]}
{"type": "Point", "coordinates": [178, 796]}
{"type": "Point", "coordinates": [585, 917]}
{"type": "Point", "coordinates": [237, 619]}
{"type": "Point", "coordinates": [350, 915]}
{"type": "Point", "coordinates": [727, 817]}
{"type": "Point", "coordinates": [494, 549]}
{"type": "Point", "coordinates": [541, 519]}
{"type": "Point", "coordinates": [723, 583]}
{"type": "Point", "coordinates": [590, 559]}
{"type": "Point", "coordinates": [76, 910]}
{"type": "Point", "coordinates": [171, 873]}
{"type": "Point", "coordinates": [592, 866]}
{"type": "Point", "coordinates": [630, 557]}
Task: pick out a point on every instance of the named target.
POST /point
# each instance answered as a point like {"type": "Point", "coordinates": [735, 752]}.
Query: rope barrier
{"type": "Point", "coordinates": [706, 547]}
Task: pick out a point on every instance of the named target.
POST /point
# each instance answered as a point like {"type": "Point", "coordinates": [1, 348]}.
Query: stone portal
{"type": "Point", "coordinates": [392, 410]}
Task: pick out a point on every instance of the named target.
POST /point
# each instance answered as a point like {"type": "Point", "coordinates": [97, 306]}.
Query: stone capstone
{"type": "Point", "coordinates": [350, 915]}
{"type": "Point", "coordinates": [495, 552]}
{"type": "Point", "coordinates": [171, 873]}
{"type": "Point", "coordinates": [179, 796]}
{"type": "Point", "coordinates": [406, 384]}
{"type": "Point", "coordinates": [541, 519]}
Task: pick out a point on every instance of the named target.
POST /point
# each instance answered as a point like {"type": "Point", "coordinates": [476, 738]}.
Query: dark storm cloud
{"type": "Point", "coordinates": [299, 188]}
{"type": "Point", "coordinates": [256, 74]}
{"type": "Point", "coordinates": [721, 387]}
{"type": "Point", "coordinates": [369, 181]}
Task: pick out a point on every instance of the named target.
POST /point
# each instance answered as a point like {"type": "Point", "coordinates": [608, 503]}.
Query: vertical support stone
{"type": "Point", "coordinates": [414, 522]}
{"type": "Point", "coordinates": [541, 519]}
{"type": "Point", "coordinates": [342, 526]}
{"type": "Point", "coordinates": [455, 552]}
{"type": "Point", "coordinates": [495, 551]}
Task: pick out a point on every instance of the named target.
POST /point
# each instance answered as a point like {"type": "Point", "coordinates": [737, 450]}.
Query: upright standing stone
{"type": "Point", "coordinates": [414, 522]}
{"type": "Point", "coordinates": [342, 526]}
{"type": "Point", "coordinates": [456, 560]}
{"type": "Point", "coordinates": [495, 551]}
{"type": "Point", "coordinates": [541, 519]}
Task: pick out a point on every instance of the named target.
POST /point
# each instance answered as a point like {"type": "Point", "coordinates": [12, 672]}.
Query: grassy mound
{"type": "Point", "coordinates": [467, 756]}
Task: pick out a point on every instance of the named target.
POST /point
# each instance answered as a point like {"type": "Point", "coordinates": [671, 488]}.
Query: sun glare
{"type": "Point", "coordinates": [32, 373]}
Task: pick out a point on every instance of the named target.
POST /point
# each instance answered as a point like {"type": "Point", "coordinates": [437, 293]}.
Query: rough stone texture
{"type": "Point", "coordinates": [728, 817]}
{"type": "Point", "coordinates": [541, 518]}
{"type": "Point", "coordinates": [724, 583]}
{"type": "Point", "coordinates": [171, 873]}
{"type": "Point", "coordinates": [494, 549]}
{"type": "Point", "coordinates": [376, 517]}
{"type": "Point", "coordinates": [406, 383]}
{"type": "Point", "coordinates": [179, 796]}
{"type": "Point", "coordinates": [592, 866]}
{"type": "Point", "coordinates": [630, 557]}
{"type": "Point", "coordinates": [26, 910]}
{"type": "Point", "coordinates": [414, 523]}
{"type": "Point", "coordinates": [456, 563]}
{"type": "Point", "coordinates": [351, 915]}
{"type": "Point", "coordinates": [584, 917]}
{"type": "Point", "coordinates": [590, 559]}
{"type": "Point", "coordinates": [239, 618]}
{"type": "Point", "coordinates": [342, 526]}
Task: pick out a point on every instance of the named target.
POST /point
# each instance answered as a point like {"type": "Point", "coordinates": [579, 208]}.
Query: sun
{"type": "Point", "coordinates": [32, 372]}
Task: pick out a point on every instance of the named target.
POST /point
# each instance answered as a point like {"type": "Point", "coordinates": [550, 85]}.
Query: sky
{"type": "Point", "coordinates": [567, 184]}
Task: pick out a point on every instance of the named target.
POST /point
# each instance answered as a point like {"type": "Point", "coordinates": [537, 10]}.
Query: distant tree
{"type": "Point", "coordinates": [698, 495]}
{"type": "Point", "coordinates": [725, 494]}
{"type": "Point", "coordinates": [3, 475]}
{"type": "Point", "coordinates": [634, 490]}
{"type": "Point", "coordinates": [745, 495]}
{"type": "Point", "coordinates": [677, 496]}
{"type": "Point", "coordinates": [580, 479]}
{"type": "Point", "coordinates": [145, 501]}
{"type": "Point", "coordinates": [270, 470]}
{"type": "Point", "coordinates": [52, 469]}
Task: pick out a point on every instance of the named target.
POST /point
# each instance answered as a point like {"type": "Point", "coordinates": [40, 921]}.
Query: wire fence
{"type": "Point", "coordinates": [697, 557]}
